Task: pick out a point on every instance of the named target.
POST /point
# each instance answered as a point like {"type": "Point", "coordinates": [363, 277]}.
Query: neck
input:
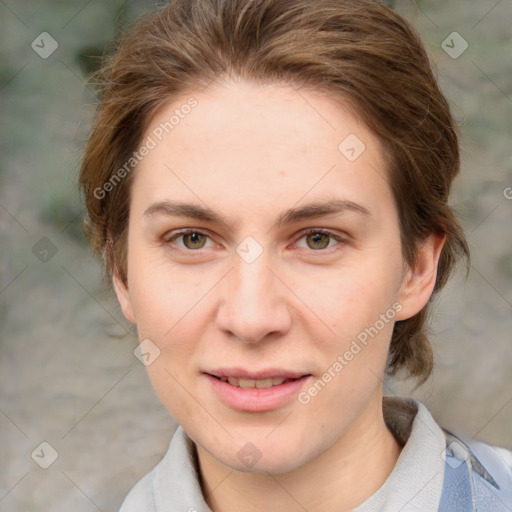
{"type": "Point", "coordinates": [339, 479]}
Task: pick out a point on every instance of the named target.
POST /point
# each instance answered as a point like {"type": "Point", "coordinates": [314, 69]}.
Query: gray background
{"type": "Point", "coordinates": [68, 375]}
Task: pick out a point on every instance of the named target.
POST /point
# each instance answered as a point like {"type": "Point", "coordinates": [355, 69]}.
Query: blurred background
{"type": "Point", "coordinates": [68, 375]}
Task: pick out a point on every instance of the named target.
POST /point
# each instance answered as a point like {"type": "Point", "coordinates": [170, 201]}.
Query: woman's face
{"type": "Point", "coordinates": [298, 322]}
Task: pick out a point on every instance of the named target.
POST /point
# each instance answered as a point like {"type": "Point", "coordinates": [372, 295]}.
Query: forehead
{"type": "Point", "coordinates": [256, 147]}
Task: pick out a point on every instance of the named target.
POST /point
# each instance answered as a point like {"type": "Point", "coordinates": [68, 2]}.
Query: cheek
{"type": "Point", "coordinates": [174, 391]}
{"type": "Point", "coordinates": [163, 296]}
{"type": "Point", "coordinates": [353, 298]}
{"type": "Point", "coordinates": [170, 315]}
{"type": "Point", "coordinates": [359, 307]}
{"type": "Point", "coordinates": [169, 307]}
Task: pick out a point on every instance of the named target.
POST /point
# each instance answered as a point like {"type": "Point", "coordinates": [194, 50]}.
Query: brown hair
{"type": "Point", "coordinates": [356, 51]}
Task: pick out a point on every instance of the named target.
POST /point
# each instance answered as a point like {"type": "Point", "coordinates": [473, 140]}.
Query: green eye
{"type": "Point", "coordinates": [318, 240]}
{"type": "Point", "coordinates": [194, 240]}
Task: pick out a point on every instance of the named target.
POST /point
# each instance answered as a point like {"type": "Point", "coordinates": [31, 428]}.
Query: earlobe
{"type": "Point", "coordinates": [123, 296]}
{"type": "Point", "coordinates": [419, 281]}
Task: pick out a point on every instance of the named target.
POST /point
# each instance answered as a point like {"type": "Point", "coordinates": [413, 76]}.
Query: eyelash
{"type": "Point", "coordinates": [305, 233]}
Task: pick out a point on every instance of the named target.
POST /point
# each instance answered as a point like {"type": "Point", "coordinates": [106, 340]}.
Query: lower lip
{"type": "Point", "coordinates": [254, 399]}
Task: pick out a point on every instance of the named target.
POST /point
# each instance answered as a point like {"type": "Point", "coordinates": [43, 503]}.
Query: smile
{"type": "Point", "coordinates": [256, 391]}
{"type": "Point", "coordinates": [252, 383]}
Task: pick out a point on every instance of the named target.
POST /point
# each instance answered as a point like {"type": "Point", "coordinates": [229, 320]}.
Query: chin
{"type": "Point", "coordinates": [262, 458]}
{"type": "Point", "coordinates": [274, 465]}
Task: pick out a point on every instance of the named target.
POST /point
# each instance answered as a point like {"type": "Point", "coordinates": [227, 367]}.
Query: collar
{"type": "Point", "coordinates": [414, 484]}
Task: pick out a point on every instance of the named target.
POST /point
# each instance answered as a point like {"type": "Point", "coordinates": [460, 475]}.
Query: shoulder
{"type": "Point", "coordinates": [468, 475]}
{"type": "Point", "coordinates": [478, 473]}
{"type": "Point", "coordinates": [173, 485]}
{"type": "Point", "coordinates": [505, 454]}
{"type": "Point", "coordinates": [141, 496]}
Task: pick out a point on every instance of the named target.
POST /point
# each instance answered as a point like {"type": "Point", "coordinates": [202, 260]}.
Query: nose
{"type": "Point", "coordinates": [254, 305]}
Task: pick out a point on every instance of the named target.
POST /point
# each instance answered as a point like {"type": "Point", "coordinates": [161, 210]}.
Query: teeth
{"type": "Point", "coordinates": [251, 383]}
{"type": "Point", "coordinates": [266, 383]}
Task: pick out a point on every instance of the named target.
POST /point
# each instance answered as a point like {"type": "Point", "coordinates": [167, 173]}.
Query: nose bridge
{"type": "Point", "coordinates": [252, 279]}
{"type": "Point", "coordinates": [254, 302]}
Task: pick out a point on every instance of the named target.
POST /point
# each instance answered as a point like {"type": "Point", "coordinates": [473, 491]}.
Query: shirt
{"type": "Point", "coordinates": [415, 484]}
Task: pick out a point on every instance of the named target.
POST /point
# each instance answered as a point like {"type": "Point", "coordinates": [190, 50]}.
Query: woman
{"type": "Point", "coordinates": [267, 184]}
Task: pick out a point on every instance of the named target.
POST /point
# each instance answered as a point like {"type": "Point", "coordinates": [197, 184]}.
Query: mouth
{"type": "Point", "coordinates": [239, 382]}
{"type": "Point", "coordinates": [256, 391]}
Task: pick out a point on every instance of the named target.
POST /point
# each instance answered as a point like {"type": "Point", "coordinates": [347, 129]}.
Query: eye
{"type": "Point", "coordinates": [319, 239]}
{"type": "Point", "coordinates": [192, 239]}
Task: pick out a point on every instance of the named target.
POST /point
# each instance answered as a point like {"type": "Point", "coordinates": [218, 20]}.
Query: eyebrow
{"type": "Point", "coordinates": [290, 216]}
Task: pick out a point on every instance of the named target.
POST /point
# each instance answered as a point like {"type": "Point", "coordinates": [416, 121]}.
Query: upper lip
{"type": "Point", "coordinates": [269, 373]}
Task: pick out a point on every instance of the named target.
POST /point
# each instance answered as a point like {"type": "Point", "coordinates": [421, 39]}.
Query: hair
{"type": "Point", "coordinates": [359, 52]}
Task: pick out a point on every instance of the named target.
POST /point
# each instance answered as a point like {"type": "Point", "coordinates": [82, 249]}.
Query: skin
{"type": "Point", "coordinates": [251, 152]}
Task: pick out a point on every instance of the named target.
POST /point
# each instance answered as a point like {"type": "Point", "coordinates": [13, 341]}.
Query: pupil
{"type": "Point", "coordinates": [195, 238]}
{"type": "Point", "coordinates": [317, 239]}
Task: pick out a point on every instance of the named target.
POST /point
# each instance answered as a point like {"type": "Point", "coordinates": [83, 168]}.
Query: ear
{"type": "Point", "coordinates": [123, 296]}
{"type": "Point", "coordinates": [419, 281]}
